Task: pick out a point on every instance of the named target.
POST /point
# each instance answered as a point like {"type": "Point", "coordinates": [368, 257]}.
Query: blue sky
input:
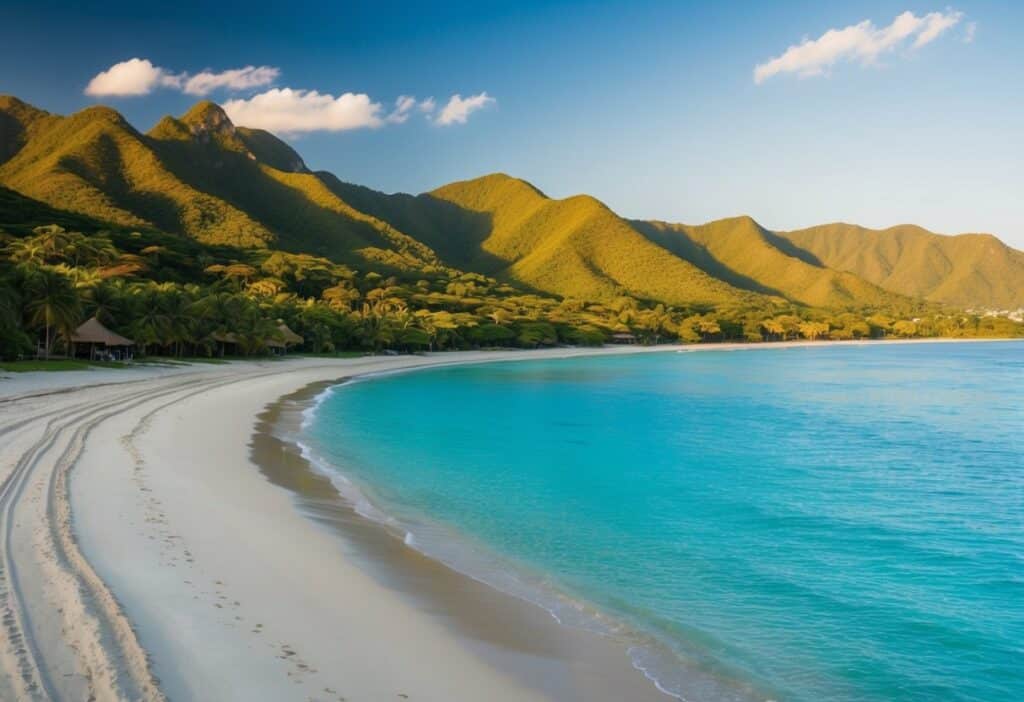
{"type": "Point", "coordinates": [652, 107]}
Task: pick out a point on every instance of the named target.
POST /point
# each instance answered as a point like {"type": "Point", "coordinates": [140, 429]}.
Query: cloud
{"type": "Point", "coordinates": [969, 31]}
{"type": "Point", "coordinates": [235, 79]}
{"type": "Point", "coordinates": [289, 111]}
{"type": "Point", "coordinates": [295, 111]}
{"type": "Point", "coordinates": [285, 110]}
{"type": "Point", "coordinates": [403, 106]}
{"type": "Point", "coordinates": [140, 77]}
{"type": "Point", "coordinates": [862, 42]}
{"type": "Point", "coordinates": [132, 77]}
{"type": "Point", "coordinates": [458, 109]}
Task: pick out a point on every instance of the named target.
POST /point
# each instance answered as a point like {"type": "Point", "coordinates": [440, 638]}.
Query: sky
{"type": "Point", "coordinates": [796, 113]}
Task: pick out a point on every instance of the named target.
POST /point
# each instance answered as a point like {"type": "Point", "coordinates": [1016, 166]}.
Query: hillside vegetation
{"type": "Point", "coordinates": [199, 230]}
{"type": "Point", "coordinates": [738, 250]}
{"type": "Point", "coordinates": [574, 247]}
{"type": "Point", "coordinates": [969, 270]}
{"type": "Point", "coordinates": [196, 175]}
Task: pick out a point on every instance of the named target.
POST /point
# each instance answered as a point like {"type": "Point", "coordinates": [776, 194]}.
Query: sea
{"type": "Point", "coordinates": [827, 522]}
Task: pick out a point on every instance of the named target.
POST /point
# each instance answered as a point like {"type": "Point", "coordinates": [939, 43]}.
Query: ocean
{"type": "Point", "coordinates": [806, 524]}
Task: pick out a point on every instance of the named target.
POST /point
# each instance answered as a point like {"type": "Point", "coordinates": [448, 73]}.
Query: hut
{"type": "Point", "coordinates": [95, 341]}
{"type": "Point", "coordinates": [284, 338]}
{"type": "Point", "coordinates": [227, 343]}
{"type": "Point", "coordinates": [623, 338]}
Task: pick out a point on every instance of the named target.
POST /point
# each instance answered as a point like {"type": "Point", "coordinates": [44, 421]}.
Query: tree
{"type": "Point", "coordinates": [13, 340]}
{"type": "Point", "coordinates": [904, 328]}
{"type": "Point", "coordinates": [708, 326]}
{"type": "Point", "coordinates": [813, 330]}
{"type": "Point", "coordinates": [51, 302]}
{"type": "Point", "coordinates": [773, 327]}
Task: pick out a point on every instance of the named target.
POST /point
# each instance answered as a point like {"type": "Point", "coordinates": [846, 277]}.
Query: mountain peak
{"type": "Point", "coordinates": [101, 113]}
{"type": "Point", "coordinates": [8, 102]}
{"type": "Point", "coordinates": [209, 118]}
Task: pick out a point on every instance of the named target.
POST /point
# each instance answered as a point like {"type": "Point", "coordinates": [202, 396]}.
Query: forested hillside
{"type": "Point", "coordinates": [199, 230]}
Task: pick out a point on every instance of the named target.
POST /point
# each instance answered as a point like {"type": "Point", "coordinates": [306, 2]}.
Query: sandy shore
{"type": "Point", "coordinates": [184, 572]}
{"type": "Point", "coordinates": [145, 555]}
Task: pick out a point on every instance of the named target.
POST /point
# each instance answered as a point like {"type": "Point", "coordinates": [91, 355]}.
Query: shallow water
{"type": "Point", "coordinates": [798, 524]}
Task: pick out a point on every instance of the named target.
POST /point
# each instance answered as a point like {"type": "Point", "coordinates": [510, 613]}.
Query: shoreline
{"type": "Point", "coordinates": [484, 618]}
{"type": "Point", "coordinates": [279, 429]}
{"type": "Point", "coordinates": [232, 545]}
{"type": "Point", "coordinates": [227, 589]}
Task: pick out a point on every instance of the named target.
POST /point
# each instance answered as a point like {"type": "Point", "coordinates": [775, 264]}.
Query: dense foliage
{"type": "Point", "coordinates": [178, 297]}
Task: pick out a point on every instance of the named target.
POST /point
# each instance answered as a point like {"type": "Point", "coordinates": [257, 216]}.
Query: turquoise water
{"type": "Point", "coordinates": [793, 524]}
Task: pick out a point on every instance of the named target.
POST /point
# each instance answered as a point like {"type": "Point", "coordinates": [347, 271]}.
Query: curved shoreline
{"type": "Point", "coordinates": [471, 606]}
{"type": "Point", "coordinates": [195, 547]}
{"type": "Point", "coordinates": [232, 541]}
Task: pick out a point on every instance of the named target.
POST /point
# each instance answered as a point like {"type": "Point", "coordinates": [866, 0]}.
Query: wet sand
{"type": "Point", "coordinates": [517, 637]}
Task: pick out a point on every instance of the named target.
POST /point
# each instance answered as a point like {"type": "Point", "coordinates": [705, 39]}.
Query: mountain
{"type": "Point", "coordinates": [969, 270]}
{"type": "Point", "coordinates": [20, 214]}
{"type": "Point", "coordinates": [741, 252]}
{"type": "Point", "coordinates": [200, 176]}
{"type": "Point", "coordinates": [195, 175]}
{"type": "Point", "coordinates": [576, 247]}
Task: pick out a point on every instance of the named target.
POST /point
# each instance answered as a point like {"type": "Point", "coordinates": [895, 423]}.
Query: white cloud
{"type": "Point", "coordinates": [934, 24]}
{"type": "Point", "coordinates": [140, 77]}
{"type": "Point", "coordinates": [132, 77]}
{"type": "Point", "coordinates": [862, 42]}
{"type": "Point", "coordinates": [458, 109]}
{"type": "Point", "coordinates": [285, 110]}
{"type": "Point", "coordinates": [969, 31]}
{"type": "Point", "coordinates": [235, 79]}
{"type": "Point", "coordinates": [403, 106]}
{"type": "Point", "coordinates": [294, 111]}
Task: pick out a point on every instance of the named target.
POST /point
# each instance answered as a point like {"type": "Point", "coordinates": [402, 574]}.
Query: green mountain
{"type": "Point", "coordinates": [738, 250]}
{"type": "Point", "coordinates": [969, 270]}
{"type": "Point", "coordinates": [576, 247]}
{"type": "Point", "coordinates": [197, 175]}
{"type": "Point", "coordinates": [200, 176]}
{"type": "Point", "coordinates": [20, 215]}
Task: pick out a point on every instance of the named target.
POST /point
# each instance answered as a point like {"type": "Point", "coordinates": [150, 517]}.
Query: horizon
{"type": "Point", "coordinates": [712, 120]}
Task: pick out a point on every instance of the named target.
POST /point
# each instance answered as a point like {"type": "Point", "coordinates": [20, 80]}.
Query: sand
{"type": "Point", "coordinates": [146, 556]}
{"type": "Point", "coordinates": [157, 543]}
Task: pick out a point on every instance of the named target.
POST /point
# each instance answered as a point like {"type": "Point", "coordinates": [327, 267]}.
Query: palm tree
{"type": "Point", "coordinates": [150, 323]}
{"type": "Point", "coordinates": [500, 316]}
{"type": "Point", "coordinates": [773, 327]}
{"type": "Point", "coordinates": [52, 302]}
{"type": "Point", "coordinates": [27, 251]}
{"type": "Point", "coordinates": [177, 310]}
{"type": "Point", "coordinates": [105, 301]}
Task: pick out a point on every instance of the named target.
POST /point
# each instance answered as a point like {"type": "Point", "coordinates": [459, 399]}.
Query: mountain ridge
{"type": "Point", "coordinates": [201, 176]}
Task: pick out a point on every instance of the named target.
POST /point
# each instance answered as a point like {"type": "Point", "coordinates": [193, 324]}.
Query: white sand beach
{"type": "Point", "coordinates": [145, 556]}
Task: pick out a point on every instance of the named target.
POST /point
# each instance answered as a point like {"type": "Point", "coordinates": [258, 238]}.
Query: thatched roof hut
{"type": "Point", "coordinates": [93, 335]}
{"type": "Point", "coordinates": [288, 336]}
{"type": "Point", "coordinates": [92, 331]}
